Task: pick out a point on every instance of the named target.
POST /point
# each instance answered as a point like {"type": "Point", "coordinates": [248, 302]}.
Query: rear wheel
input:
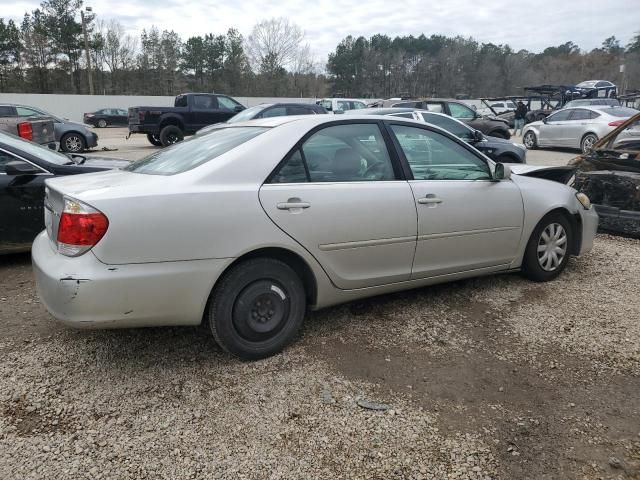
{"type": "Point", "coordinates": [530, 141]}
{"type": "Point", "coordinates": [257, 308]}
{"type": "Point", "coordinates": [154, 140]}
{"type": "Point", "coordinates": [548, 249]}
{"type": "Point", "coordinates": [588, 141]}
{"type": "Point", "coordinates": [170, 134]}
{"type": "Point", "coordinates": [73, 143]}
{"type": "Point", "coordinates": [102, 123]}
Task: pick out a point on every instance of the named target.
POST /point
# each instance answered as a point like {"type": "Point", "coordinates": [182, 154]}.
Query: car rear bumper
{"type": "Point", "coordinates": [92, 140]}
{"type": "Point", "coordinates": [83, 292]}
{"type": "Point", "coordinates": [139, 128]}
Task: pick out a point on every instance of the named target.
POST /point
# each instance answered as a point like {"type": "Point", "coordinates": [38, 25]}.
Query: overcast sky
{"type": "Point", "coordinates": [522, 24]}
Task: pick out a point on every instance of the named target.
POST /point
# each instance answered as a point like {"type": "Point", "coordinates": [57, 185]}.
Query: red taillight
{"type": "Point", "coordinates": [25, 130]}
{"type": "Point", "coordinates": [80, 228]}
{"type": "Point", "coordinates": [616, 123]}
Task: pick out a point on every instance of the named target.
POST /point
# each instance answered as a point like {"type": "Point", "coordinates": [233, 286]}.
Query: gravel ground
{"type": "Point", "coordinates": [492, 378]}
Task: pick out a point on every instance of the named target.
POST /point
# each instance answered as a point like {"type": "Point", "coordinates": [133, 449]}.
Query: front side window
{"type": "Point", "coordinates": [432, 156]}
{"type": "Point", "coordinates": [460, 111]}
{"type": "Point", "coordinates": [197, 150]}
{"type": "Point", "coordinates": [580, 114]}
{"type": "Point", "coordinates": [341, 153]}
{"type": "Point", "coordinates": [181, 101]}
{"type": "Point", "coordinates": [227, 103]}
{"type": "Point", "coordinates": [357, 105]}
{"type": "Point", "coordinates": [452, 126]}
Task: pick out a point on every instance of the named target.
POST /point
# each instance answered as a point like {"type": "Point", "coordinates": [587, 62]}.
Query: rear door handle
{"type": "Point", "coordinates": [292, 204]}
{"type": "Point", "coordinates": [429, 200]}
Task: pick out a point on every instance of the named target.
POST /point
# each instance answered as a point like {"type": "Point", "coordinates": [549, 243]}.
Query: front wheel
{"type": "Point", "coordinates": [530, 141]}
{"type": "Point", "coordinates": [548, 249]}
{"type": "Point", "coordinates": [257, 308]}
{"type": "Point", "coordinates": [587, 143]}
{"type": "Point", "coordinates": [154, 140]}
{"type": "Point", "coordinates": [73, 143]}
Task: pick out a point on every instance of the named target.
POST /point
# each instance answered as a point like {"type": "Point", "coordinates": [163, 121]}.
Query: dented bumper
{"type": "Point", "coordinates": [83, 292]}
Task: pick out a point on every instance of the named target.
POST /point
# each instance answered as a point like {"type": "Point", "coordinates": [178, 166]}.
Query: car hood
{"type": "Point", "coordinates": [561, 174]}
{"type": "Point", "coordinates": [495, 119]}
{"type": "Point", "coordinates": [101, 162]}
{"type": "Point", "coordinates": [537, 123]}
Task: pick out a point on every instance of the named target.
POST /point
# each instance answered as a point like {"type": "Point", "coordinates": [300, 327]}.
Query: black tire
{"type": "Point", "coordinates": [154, 140]}
{"type": "Point", "coordinates": [532, 263]}
{"type": "Point", "coordinates": [102, 123]}
{"type": "Point", "coordinates": [530, 140]}
{"type": "Point", "coordinates": [257, 308]}
{"type": "Point", "coordinates": [587, 142]}
{"type": "Point", "coordinates": [170, 134]}
{"type": "Point", "coordinates": [73, 142]}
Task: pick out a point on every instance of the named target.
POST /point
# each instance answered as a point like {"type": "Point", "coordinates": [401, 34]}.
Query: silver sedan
{"type": "Point", "coordinates": [579, 127]}
{"type": "Point", "coordinates": [247, 227]}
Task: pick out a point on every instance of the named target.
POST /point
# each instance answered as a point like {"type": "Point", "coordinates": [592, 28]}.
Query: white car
{"type": "Point", "coordinates": [341, 104]}
{"type": "Point", "coordinates": [502, 107]}
{"type": "Point", "coordinates": [252, 224]}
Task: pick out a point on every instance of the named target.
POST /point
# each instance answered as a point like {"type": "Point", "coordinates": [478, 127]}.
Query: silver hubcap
{"type": "Point", "coordinates": [528, 140]}
{"type": "Point", "coordinates": [588, 143]}
{"type": "Point", "coordinates": [552, 247]}
{"type": "Point", "coordinates": [102, 123]}
{"type": "Point", "coordinates": [73, 144]}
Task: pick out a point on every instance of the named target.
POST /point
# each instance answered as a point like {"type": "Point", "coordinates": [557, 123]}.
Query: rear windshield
{"type": "Point", "coordinates": [620, 111]}
{"type": "Point", "coordinates": [189, 154]}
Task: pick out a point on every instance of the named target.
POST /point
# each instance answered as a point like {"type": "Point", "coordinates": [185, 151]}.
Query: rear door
{"type": "Point", "coordinates": [21, 205]}
{"type": "Point", "coordinates": [340, 195]}
{"type": "Point", "coordinates": [466, 221]}
{"type": "Point", "coordinates": [578, 123]}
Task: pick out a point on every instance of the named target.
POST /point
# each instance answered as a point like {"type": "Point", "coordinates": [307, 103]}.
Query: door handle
{"type": "Point", "coordinates": [292, 203]}
{"type": "Point", "coordinates": [429, 200]}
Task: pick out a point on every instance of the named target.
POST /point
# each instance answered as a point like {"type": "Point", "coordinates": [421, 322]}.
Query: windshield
{"type": "Point", "coordinates": [249, 113]}
{"type": "Point", "coordinates": [191, 153]}
{"type": "Point", "coordinates": [34, 149]}
{"type": "Point", "coordinates": [619, 111]}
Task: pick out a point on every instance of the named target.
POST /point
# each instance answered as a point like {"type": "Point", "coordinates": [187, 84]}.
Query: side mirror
{"type": "Point", "coordinates": [238, 108]}
{"type": "Point", "coordinates": [477, 136]}
{"type": "Point", "coordinates": [502, 172]}
{"type": "Point", "coordinates": [20, 168]}
{"type": "Point", "coordinates": [544, 120]}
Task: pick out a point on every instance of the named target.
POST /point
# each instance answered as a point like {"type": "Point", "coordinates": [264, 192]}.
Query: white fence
{"type": "Point", "coordinates": [74, 106]}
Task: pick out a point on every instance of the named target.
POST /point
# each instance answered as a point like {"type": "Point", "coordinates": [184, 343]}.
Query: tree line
{"type": "Point", "coordinates": [45, 53]}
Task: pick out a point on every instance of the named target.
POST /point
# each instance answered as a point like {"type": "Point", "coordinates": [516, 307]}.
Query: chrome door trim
{"type": "Point", "coordinates": [365, 243]}
{"type": "Point", "coordinates": [466, 232]}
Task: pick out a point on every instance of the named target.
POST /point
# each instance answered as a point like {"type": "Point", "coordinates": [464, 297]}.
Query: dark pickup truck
{"type": "Point", "coordinates": [191, 111]}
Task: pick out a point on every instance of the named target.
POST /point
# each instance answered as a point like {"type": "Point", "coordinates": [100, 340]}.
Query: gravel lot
{"type": "Point", "coordinates": [137, 147]}
{"type": "Point", "coordinates": [493, 378]}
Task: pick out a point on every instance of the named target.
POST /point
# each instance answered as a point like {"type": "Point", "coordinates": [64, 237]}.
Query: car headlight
{"type": "Point", "coordinates": [584, 200]}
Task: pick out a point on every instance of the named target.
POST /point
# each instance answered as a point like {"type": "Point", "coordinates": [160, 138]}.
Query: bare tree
{"type": "Point", "coordinates": [274, 44]}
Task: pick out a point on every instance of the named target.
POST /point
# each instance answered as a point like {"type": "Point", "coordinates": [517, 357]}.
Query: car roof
{"type": "Point", "coordinates": [380, 111]}
{"type": "Point", "coordinates": [309, 120]}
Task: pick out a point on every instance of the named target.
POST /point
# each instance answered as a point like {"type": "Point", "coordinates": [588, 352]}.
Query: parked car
{"type": "Point", "coordinates": [610, 173]}
{"type": "Point", "coordinates": [575, 127]}
{"type": "Point", "coordinates": [267, 110]}
{"type": "Point", "coordinates": [341, 104]}
{"type": "Point", "coordinates": [249, 225]}
{"type": "Point", "coordinates": [497, 149]}
{"type": "Point", "coordinates": [107, 117]}
{"type": "Point", "coordinates": [503, 107]}
{"type": "Point", "coordinates": [73, 137]}
{"type": "Point", "coordinates": [37, 130]}
{"type": "Point", "coordinates": [24, 167]}
{"type": "Point", "coordinates": [489, 125]}
{"type": "Point", "coordinates": [591, 102]}
{"type": "Point", "coordinates": [165, 126]}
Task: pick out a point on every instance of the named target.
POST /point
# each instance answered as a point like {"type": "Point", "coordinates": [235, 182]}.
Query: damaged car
{"type": "Point", "coordinates": [610, 175]}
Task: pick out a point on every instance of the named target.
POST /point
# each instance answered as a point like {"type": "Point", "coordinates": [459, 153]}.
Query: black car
{"type": "Point", "coordinates": [498, 149]}
{"type": "Point", "coordinates": [489, 125]}
{"type": "Point", "coordinates": [266, 110]}
{"type": "Point", "coordinates": [24, 167]}
{"type": "Point", "coordinates": [107, 117]}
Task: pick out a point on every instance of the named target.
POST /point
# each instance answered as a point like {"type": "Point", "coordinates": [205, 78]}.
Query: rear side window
{"type": "Point", "coordinates": [295, 110]}
{"type": "Point", "coordinates": [273, 112]}
{"type": "Point", "coordinates": [580, 114]}
{"type": "Point", "coordinates": [197, 150]}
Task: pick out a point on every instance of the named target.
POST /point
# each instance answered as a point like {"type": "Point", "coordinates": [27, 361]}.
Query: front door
{"type": "Point", "coordinates": [21, 206]}
{"type": "Point", "coordinates": [553, 131]}
{"type": "Point", "coordinates": [339, 195]}
{"type": "Point", "coordinates": [466, 221]}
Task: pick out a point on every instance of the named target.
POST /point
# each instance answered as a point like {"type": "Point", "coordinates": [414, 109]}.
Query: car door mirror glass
{"type": "Point", "coordinates": [502, 172]}
{"type": "Point", "coordinates": [17, 167]}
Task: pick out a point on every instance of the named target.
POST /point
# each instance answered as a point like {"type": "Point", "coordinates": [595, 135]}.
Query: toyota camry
{"type": "Point", "coordinates": [247, 227]}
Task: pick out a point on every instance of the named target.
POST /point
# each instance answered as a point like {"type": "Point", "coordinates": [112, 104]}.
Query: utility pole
{"type": "Point", "coordinates": [86, 50]}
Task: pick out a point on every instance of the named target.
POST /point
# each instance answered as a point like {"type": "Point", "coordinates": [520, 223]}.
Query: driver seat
{"type": "Point", "coordinates": [346, 165]}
